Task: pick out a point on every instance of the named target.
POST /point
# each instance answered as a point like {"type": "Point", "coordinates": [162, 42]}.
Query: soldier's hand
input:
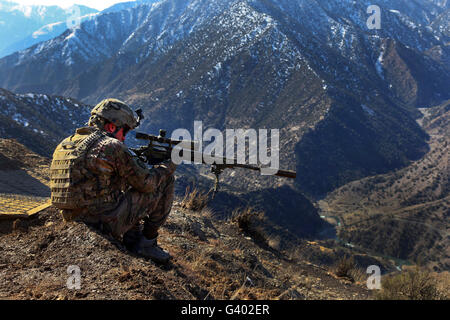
{"type": "Point", "coordinates": [172, 167]}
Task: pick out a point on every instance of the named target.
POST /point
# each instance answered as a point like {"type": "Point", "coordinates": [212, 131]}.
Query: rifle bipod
{"type": "Point", "coordinates": [217, 170]}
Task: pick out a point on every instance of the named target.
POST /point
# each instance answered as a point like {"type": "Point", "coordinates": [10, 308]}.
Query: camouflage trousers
{"type": "Point", "coordinates": [135, 207]}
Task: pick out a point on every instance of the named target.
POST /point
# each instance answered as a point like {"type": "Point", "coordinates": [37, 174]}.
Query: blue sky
{"type": "Point", "coordinates": [97, 4]}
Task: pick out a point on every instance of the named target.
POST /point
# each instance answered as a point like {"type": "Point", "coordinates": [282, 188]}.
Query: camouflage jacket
{"type": "Point", "coordinates": [114, 170]}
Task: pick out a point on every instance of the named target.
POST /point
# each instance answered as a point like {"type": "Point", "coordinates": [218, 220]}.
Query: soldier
{"type": "Point", "coordinates": [95, 179]}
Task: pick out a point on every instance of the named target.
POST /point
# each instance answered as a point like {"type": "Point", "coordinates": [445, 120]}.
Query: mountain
{"type": "Point", "coordinates": [404, 214]}
{"type": "Point", "coordinates": [38, 29]}
{"type": "Point", "coordinates": [23, 26]}
{"type": "Point", "coordinates": [344, 97]}
{"type": "Point", "coordinates": [127, 5]}
{"type": "Point", "coordinates": [44, 33]}
{"type": "Point", "coordinates": [39, 121]}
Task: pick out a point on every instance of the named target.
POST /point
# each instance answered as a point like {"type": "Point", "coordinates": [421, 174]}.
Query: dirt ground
{"type": "Point", "coordinates": [22, 171]}
{"type": "Point", "coordinates": [212, 259]}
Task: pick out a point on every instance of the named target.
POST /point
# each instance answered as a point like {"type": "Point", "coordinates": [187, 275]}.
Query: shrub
{"type": "Point", "coordinates": [249, 221]}
{"type": "Point", "coordinates": [344, 267]}
{"type": "Point", "coordinates": [415, 284]}
{"type": "Point", "coordinates": [194, 200]}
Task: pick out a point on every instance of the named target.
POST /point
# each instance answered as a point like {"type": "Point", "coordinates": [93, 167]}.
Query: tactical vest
{"type": "Point", "coordinates": [69, 174]}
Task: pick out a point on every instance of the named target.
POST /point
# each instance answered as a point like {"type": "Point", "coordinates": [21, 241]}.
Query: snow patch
{"type": "Point", "coordinates": [20, 120]}
{"type": "Point", "coordinates": [368, 110]}
{"type": "Point", "coordinates": [379, 64]}
{"type": "Point", "coordinates": [26, 10]}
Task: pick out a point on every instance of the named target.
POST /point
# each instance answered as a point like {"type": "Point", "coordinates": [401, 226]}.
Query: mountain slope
{"type": "Point", "coordinates": [47, 28]}
{"type": "Point", "coordinates": [39, 121]}
{"type": "Point", "coordinates": [96, 41]}
{"type": "Point", "coordinates": [21, 25]}
{"type": "Point", "coordinates": [166, 22]}
{"type": "Point", "coordinates": [212, 260]}
{"type": "Point", "coordinates": [403, 214]}
{"type": "Point", "coordinates": [22, 172]}
{"type": "Point", "coordinates": [44, 33]}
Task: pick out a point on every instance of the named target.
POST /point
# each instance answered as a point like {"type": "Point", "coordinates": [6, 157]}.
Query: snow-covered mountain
{"type": "Point", "coordinates": [127, 5]}
{"type": "Point", "coordinates": [30, 25]}
{"type": "Point", "coordinates": [40, 121]}
{"type": "Point", "coordinates": [145, 31]}
{"type": "Point", "coordinates": [44, 33]}
{"type": "Point", "coordinates": [21, 26]}
{"type": "Point", "coordinates": [344, 96]}
{"type": "Point", "coordinates": [115, 33]}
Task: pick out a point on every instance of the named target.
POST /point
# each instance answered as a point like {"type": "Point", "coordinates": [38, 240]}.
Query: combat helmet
{"type": "Point", "coordinates": [116, 112]}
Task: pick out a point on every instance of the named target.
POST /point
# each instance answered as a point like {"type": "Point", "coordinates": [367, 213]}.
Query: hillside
{"type": "Point", "coordinates": [40, 121]}
{"type": "Point", "coordinates": [34, 24]}
{"type": "Point", "coordinates": [220, 252]}
{"type": "Point", "coordinates": [24, 176]}
{"type": "Point", "coordinates": [22, 171]}
{"type": "Point", "coordinates": [404, 214]}
{"type": "Point", "coordinates": [212, 260]}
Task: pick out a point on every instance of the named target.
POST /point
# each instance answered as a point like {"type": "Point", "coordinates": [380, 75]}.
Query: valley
{"type": "Point", "coordinates": [405, 213]}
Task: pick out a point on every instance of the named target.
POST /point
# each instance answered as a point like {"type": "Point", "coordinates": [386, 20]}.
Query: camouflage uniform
{"type": "Point", "coordinates": [95, 178]}
{"type": "Point", "coordinates": [127, 191]}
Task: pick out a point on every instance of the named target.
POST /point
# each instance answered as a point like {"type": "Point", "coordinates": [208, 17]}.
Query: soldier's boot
{"type": "Point", "coordinates": [132, 237]}
{"type": "Point", "coordinates": [149, 248]}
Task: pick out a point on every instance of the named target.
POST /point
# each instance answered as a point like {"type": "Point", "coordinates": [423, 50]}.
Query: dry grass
{"type": "Point", "coordinates": [344, 267]}
{"type": "Point", "coordinates": [443, 283]}
{"type": "Point", "coordinates": [412, 284]}
{"type": "Point", "coordinates": [212, 274]}
{"type": "Point", "coordinates": [195, 200]}
{"type": "Point", "coordinates": [207, 213]}
{"type": "Point", "coordinates": [250, 221]}
{"type": "Point", "coordinates": [274, 242]}
{"type": "Point", "coordinates": [245, 217]}
{"type": "Point", "coordinates": [347, 268]}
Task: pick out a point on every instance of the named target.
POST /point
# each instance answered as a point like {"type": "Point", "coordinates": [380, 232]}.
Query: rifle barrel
{"type": "Point", "coordinates": [281, 173]}
{"type": "Point", "coordinates": [228, 163]}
